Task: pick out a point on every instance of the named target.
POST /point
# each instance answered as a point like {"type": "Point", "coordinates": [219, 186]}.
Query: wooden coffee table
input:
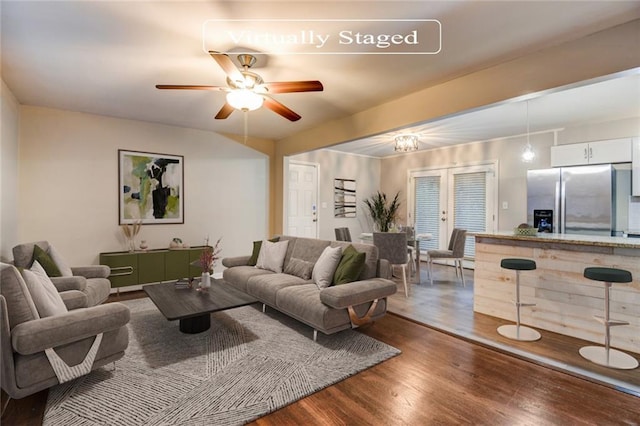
{"type": "Point", "coordinates": [192, 307]}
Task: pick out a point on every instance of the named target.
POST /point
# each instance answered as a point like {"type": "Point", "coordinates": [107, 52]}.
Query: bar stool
{"type": "Point", "coordinates": [517, 331]}
{"type": "Point", "coordinates": [604, 355]}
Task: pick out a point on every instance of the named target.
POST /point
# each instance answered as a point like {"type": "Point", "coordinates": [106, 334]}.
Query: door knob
{"type": "Point", "coordinates": [443, 219]}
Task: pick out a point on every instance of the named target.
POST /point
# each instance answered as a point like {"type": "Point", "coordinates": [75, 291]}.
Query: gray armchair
{"type": "Point", "coordinates": [90, 280]}
{"type": "Point", "coordinates": [28, 342]}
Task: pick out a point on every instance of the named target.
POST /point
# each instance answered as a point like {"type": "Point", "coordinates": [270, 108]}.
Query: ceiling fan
{"type": "Point", "coordinates": [246, 91]}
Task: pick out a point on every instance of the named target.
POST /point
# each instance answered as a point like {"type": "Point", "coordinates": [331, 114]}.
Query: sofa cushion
{"type": "Point", "coordinates": [47, 263]}
{"type": "Point", "coordinates": [326, 266]}
{"type": "Point", "coordinates": [265, 287]}
{"type": "Point", "coordinates": [257, 245]}
{"type": "Point", "coordinates": [350, 266]}
{"type": "Point", "coordinates": [371, 263]}
{"type": "Point", "coordinates": [238, 276]}
{"type": "Point", "coordinates": [44, 294]}
{"type": "Point", "coordinates": [62, 265]}
{"type": "Point", "coordinates": [272, 255]}
{"type": "Point", "coordinates": [20, 306]}
{"type": "Point", "coordinates": [299, 268]}
{"type": "Point", "coordinates": [308, 249]}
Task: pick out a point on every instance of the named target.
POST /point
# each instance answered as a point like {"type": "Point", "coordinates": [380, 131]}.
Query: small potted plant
{"type": "Point", "coordinates": [382, 213]}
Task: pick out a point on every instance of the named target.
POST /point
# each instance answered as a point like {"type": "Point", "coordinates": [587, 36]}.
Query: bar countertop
{"type": "Point", "coordinates": [587, 240]}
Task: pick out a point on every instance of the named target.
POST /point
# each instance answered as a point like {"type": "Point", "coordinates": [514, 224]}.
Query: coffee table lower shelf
{"type": "Point", "coordinates": [193, 308]}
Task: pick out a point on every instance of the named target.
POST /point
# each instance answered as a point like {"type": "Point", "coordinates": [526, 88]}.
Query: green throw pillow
{"type": "Point", "coordinates": [46, 262]}
{"type": "Point", "coordinates": [257, 245]}
{"type": "Point", "coordinates": [350, 266]}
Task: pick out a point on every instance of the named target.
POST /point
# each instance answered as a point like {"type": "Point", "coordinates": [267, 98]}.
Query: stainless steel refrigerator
{"type": "Point", "coordinates": [578, 200]}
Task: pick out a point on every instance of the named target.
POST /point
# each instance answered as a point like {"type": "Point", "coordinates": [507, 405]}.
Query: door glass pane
{"type": "Point", "coordinates": [470, 209]}
{"type": "Point", "coordinates": [427, 205]}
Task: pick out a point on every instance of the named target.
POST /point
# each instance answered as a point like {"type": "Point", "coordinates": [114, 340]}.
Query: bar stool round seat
{"type": "Point", "coordinates": [518, 331]}
{"type": "Point", "coordinates": [605, 355]}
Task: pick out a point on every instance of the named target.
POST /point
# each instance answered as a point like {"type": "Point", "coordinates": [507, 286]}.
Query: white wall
{"type": "Point", "coordinates": [9, 124]}
{"type": "Point", "coordinates": [68, 186]}
{"type": "Point", "coordinates": [333, 164]}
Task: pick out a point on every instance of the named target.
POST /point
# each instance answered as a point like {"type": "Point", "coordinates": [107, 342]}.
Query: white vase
{"type": "Point", "coordinates": [205, 282]}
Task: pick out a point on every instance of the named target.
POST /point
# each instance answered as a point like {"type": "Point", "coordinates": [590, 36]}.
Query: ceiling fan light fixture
{"type": "Point", "coordinates": [244, 100]}
{"type": "Point", "coordinates": [406, 143]}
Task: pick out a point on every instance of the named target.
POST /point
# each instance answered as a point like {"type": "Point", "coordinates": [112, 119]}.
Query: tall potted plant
{"type": "Point", "coordinates": [382, 213]}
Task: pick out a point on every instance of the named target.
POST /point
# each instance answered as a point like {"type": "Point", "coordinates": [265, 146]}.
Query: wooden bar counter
{"type": "Point", "coordinates": [565, 301]}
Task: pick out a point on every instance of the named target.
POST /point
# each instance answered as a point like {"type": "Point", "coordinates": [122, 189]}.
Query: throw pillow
{"type": "Point", "coordinates": [44, 294]}
{"type": "Point", "coordinates": [299, 268]}
{"type": "Point", "coordinates": [65, 270]}
{"type": "Point", "coordinates": [272, 255]}
{"type": "Point", "coordinates": [325, 266]}
{"type": "Point", "coordinates": [253, 260]}
{"type": "Point", "coordinates": [47, 263]}
{"type": "Point", "coordinates": [350, 266]}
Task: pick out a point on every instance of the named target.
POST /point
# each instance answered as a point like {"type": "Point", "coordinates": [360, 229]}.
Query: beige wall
{"type": "Point", "coordinates": [9, 123]}
{"type": "Point", "coordinates": [596, 55]}
{"type": "Point", "coordinates": [332, 164]}
{"type": "Point", "coordinates": [68, 183]}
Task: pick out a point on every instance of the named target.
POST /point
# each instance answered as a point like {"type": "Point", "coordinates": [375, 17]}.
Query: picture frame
{"type": "Point", "coordinates": [151, 188]}
{"type": "Point", "coordinates": [344, 193]}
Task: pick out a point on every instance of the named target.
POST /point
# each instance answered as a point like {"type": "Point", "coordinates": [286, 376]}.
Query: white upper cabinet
{"type": "Point", "coordinates": [600, 152]}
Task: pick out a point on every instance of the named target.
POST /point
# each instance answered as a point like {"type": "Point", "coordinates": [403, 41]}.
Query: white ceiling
{"type": "Point", "coordinates": [593, 102]}
{"type": "Point", "coordinates": [105, 57]}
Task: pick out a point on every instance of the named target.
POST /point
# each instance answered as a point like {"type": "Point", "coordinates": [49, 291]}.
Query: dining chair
{"type": "Point", "coordinates": [393, 247]}
{"type": "Point", "coordinates": [455, 251]}
{"type": "Point", "coordinates": [343, 234]}
{"type": "Point", "coordinates": [412, 246]}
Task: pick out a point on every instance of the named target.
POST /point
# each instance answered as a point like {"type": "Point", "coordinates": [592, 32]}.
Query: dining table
{"type": "Point", "coordinates": [367, 238]}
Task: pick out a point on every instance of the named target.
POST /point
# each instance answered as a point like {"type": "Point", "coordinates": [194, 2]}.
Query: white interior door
{"type": "Point", "coordinates": [302, 205]}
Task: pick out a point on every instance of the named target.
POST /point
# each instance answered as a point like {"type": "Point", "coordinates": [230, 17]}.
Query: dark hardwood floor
{"type": "Point", "coordinates": [438, 379]}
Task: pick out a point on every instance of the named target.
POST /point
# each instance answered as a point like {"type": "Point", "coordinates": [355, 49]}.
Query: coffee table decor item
{"type": "Point", "coordinates": [245, 366]}
{"type": "Point", "coordinates": [208, 259]}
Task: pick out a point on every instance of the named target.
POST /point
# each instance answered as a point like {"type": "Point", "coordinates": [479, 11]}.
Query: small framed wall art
{"type": "Point", "coordinates": [151, 188]}
{"type": "Point", "coordinates": [344, 192]}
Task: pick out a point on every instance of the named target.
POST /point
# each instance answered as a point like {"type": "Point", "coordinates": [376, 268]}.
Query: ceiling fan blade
{"type": "Point", "coordinates": [188, 87]}
{"type": "Point", "coordinates": [279, 108]}
{"type": "Point", "coordinates": [224, 112]}
{"type": "Point", "coordinates": [227, 66]}
{"type": "Point", "coordinates": [294, 86]}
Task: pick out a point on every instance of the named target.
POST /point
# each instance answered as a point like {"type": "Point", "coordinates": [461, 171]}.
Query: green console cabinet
{"type": "Point", "coordinates": [150, 266]}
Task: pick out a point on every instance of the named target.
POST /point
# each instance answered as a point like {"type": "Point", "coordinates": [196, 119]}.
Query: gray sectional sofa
{"type": "Point", "coordinates": [330, 309]}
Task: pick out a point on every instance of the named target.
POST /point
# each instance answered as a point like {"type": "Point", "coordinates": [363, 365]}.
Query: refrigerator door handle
{"type": "Point", "coordinates": [556, 212]}
{"type": "Point", "coordinates": [563, 207]}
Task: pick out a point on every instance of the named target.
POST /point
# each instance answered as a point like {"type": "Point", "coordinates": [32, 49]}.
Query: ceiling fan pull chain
{"type": "Point", "coordinates": [246, 126]}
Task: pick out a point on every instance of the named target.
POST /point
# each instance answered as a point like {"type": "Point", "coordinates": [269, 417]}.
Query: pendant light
{"type": "Point", "coordinates": [528, 154]}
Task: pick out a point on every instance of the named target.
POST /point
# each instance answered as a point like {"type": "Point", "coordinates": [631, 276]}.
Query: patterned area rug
{"type": "Point", "coordinates": [247, 365]}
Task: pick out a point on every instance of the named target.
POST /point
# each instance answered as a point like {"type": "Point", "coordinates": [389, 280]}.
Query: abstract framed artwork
{"type": "Point", "coordinates": [151, 188]}
{"type": "Point", "coordinates": [344, 193]}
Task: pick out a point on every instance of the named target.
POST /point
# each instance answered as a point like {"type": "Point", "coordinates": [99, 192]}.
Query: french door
{"type": "Point", "coordinates": [459, 197]}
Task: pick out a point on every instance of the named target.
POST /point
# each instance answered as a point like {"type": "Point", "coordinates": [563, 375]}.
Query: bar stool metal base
{"type": "Point", "coordinates": [519, 332]}
{"type": "Point", "coordinates": [615, 358]}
